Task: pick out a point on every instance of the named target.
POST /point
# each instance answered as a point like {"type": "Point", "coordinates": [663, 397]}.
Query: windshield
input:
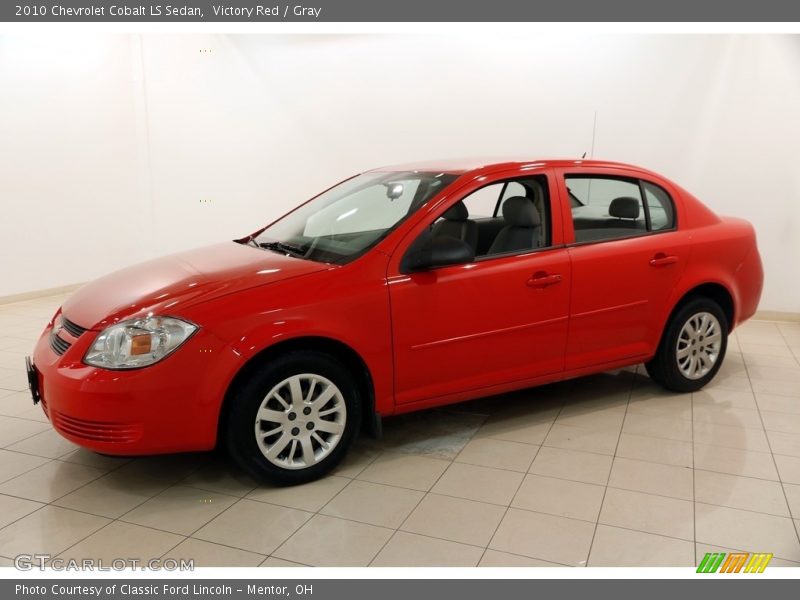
{"type": "Point", "coordinates": [340, 224]}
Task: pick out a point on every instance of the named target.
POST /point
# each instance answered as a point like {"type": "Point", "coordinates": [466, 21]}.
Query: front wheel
{"type": "Point", "coordinates": [692, 348]}
{"type": "Point", "coordinates": [293, 420]}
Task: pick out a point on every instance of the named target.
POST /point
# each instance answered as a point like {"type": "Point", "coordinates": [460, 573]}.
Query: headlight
{"type": "Point", "coordinates": [138, 342]}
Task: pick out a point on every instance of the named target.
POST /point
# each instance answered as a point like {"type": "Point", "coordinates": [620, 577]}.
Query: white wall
{"type": "Point", "coordinates": [114, 149]}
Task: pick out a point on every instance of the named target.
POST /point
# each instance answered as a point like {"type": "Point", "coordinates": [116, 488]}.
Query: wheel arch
{"type": "Point", "coordinates": [333, 347]}
{"type": "Point", "coordinates": [713, 290]}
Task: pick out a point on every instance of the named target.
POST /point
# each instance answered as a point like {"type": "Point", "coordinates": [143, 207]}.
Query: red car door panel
{"type": "Point", "coordinates": [471, 326]}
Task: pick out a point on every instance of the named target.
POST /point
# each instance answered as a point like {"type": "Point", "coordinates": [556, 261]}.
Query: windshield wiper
{"type": "Point", "coordinates": [283, 248]}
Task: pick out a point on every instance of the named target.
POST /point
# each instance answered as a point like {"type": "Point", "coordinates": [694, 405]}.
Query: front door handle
{"type": "Point", "coordinates": [541, 279]}
{"type": "Point", "coordinates": [662, 260]}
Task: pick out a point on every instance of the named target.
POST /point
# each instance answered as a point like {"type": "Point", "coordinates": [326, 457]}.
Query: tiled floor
{"type": "Point", "coordinates": [604, 470]}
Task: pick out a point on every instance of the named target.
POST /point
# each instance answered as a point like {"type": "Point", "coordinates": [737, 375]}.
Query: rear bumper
{"type": "Point", "coordinates": [172, 406]}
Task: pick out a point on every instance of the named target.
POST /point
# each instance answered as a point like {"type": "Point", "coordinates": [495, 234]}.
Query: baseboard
{"type": "Point", "coordinates": [777, 315]}
{"type": "Point", "coordinates": [39, 294]}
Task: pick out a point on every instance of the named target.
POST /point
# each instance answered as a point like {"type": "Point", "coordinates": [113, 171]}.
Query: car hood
{"type": "Point", "coordinates": [165, 285]}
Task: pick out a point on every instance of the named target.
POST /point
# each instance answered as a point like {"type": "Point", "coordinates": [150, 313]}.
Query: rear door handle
{"type": "Point", "coordinates": [540, 279]}
{"type": "Point", "coordinates": [662, 260]}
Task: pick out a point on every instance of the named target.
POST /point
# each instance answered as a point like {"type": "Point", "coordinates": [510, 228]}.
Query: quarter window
{"type": "Point", "coordinates": [662, 214]}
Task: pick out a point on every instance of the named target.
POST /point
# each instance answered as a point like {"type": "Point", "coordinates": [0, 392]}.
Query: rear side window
{"type": "Point", "coordinates": [608, 208]}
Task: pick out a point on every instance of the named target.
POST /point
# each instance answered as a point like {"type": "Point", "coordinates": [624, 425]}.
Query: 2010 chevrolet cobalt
{"type": "Point", "coordinates": [399, 289]}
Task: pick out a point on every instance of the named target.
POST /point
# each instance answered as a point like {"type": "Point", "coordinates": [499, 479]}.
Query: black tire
{"type": "Point", "coordinates": [246, 400]}
{"type": "Point", "coordinates": [664, 368]}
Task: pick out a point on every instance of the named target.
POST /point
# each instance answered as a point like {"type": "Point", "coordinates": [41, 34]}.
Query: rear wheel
{"type": "Point", "coordinates": [293, 420]}
{"type": "Point", "coordinates": [692, 348]}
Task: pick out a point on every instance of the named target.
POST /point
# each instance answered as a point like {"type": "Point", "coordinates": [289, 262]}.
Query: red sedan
{"type": "Point", "coordinates": [399, 289]}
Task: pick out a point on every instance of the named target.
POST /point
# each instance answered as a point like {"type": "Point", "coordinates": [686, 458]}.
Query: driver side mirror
{"type": "Point", "coordinates": [431, 252]}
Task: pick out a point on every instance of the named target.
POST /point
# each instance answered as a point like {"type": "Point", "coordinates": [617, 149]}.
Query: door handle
{"type": "Point", "coordinates": [540, 279]}
{"type": "Point", "coordinates": [662, 260]}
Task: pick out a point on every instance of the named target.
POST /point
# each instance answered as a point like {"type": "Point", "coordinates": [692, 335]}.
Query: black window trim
{"type": "Point", "coordinates": [640, 183]}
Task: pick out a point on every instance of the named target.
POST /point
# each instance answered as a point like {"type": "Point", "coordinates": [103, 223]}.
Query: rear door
{"type": "Point", "coordinates": [628, 252]}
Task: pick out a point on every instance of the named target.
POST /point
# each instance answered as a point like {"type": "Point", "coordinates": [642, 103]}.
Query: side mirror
{"type": "Point", "coordinates": [432, 252]}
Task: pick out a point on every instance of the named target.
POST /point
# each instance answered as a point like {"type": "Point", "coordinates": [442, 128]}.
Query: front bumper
{"type": "Point", "coordinates": [172, 406]}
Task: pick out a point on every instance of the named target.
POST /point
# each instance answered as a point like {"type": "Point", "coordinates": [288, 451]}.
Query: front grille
{"type": "Point", "coordinates": [58, 345]}
{"type": "Point", "coordinates": [98, 431]}
{"type": "Point", "coordinates": [74, 329]}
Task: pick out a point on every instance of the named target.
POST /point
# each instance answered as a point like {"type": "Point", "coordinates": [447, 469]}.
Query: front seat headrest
{"type": "Point", "coordinates": [519, 211]}
{"type": "Point", "coordinates": [457, 212]}
{"type": "Point", "coordinates": [624, 207]}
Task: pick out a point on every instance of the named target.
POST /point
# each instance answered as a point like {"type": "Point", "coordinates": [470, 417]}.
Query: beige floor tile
{"type": "Point", "coordinates": [615, 547]}
{"type": "Point", "coordinates": [769, 361]}
{"type": "Point", "coordinates": [746, 418]}
{"type": "Point", "coordinates": [50, 481]}
{"type": "Point", "coordinates": [14, 463]}
{"type": "Point", "coordinates": [331, 542]}
{"type": "Point", "coordinates": [524, 428]}
{"type": "Point", "coordinates": [657, 426]}
{"type": "Point", "coordinates": [660, 450]}
{"type": "Point", "coordinates": [761, 349]}
{"type": "Point", "coordinates": [499, 454]}
{"type": "Point", "coordinates": [725, 436]}
{"type": "Point", "coordinates": [745, 493]}
{"type": "Point", "coordinates": [646, 512]}
{"type": "Point", "coordinates": [14, 430]}
{"type": "Point", "coordinates": [753, 532]}
{"type": "Point", "coordinates": [600, 416]}
{"type": "Point", "coordinates": [279, 562]}
{"type": "Point", "coordinates": [661, 403]}
{"type": "Point", "coordinates": [455, 519]}
{"type": "Point", "coordinates": [13, 509]}
{"type": "Point", "coordinates": [781, 422]}
{"type": "Point", "coordinates": [254, 526]}
{"type": "Point", "coordinates": [560, 497]}
{"type": "Point", "coordinates": [478, 483]}
{"type": "Point", "coordinates": [123, 540]}
{"type": "Point", "coordinates": [358, 458]}
{"type": "Point", "coordinates": [410, 550]}
{"type": "Point", "coordinates": [734, 462]}
{"type": "Point", "coordinates": [775, 386]}
{"type": "Point", "coordinates": [309, 496]}
{"type": "Point", "coordinates": [788, 467]}
{"type": "Point", "coordinates": [730, 382]}
{"type": "Point", "coordinates": [402, 470]}
{"type": "Point", "coordinates": [223, 477]}
{"type": "Point", "coordinates": [792, 492]}
{"type": "Point", "coordinates": [572, 464]}
{"type": "Point", "coordinates": [48, 444]}
{"type": "Point", "coordinates": [206, 554]}
{"type": "Point", "coordinates": [652, 478]}
{"type": "Point", "coordinates": [784, 443]}
{"type": "Point", "coordinates": [775, 373]}
{"type": "Point", "coordinates": [49, 530]}
{"type": "Point", "coordinates": [493, 558]}
{"type": "Point", "coordinates": [779, 404]}
{"type": "Point", "coordinates": [600, 441]}
{"type": "Point", "coordinates": [438, 433]}
{"type": "Point", "coordinates": [179, 509]}
{"type": "Point", "coordinates": [373, 503]}
{"type": "Point", "coordinates": [113, 494]}
{"type": "Point", "coordinates": [724, 399]}
{"type": "Point", "coordinates": [545, 537]}
{"type": "Point", "coordinates": [81, 456]}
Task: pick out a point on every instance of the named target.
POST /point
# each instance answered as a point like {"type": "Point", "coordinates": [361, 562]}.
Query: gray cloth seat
{"type": "Point", "coordinates": [624, 212]}
{"type": "Point", "coordinates": [522, 229]}
{"type": "Point", "coordinates": [456, 223]}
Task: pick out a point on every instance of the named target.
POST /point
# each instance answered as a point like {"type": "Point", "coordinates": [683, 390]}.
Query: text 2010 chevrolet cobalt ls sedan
{"type": "Point", "coordinates": [398, 289]}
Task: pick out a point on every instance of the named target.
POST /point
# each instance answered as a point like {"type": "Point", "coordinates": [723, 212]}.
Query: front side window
{"type": "Point", "coordinates": [608, 208]}
{"type": "Point", "coordinates": [505, 217]}
{"type": "Point", "coordinates": [342, 223]}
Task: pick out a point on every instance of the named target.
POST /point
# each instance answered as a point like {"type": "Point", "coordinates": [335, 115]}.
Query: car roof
{"type": "Point", "coordinates": [467, 165]}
